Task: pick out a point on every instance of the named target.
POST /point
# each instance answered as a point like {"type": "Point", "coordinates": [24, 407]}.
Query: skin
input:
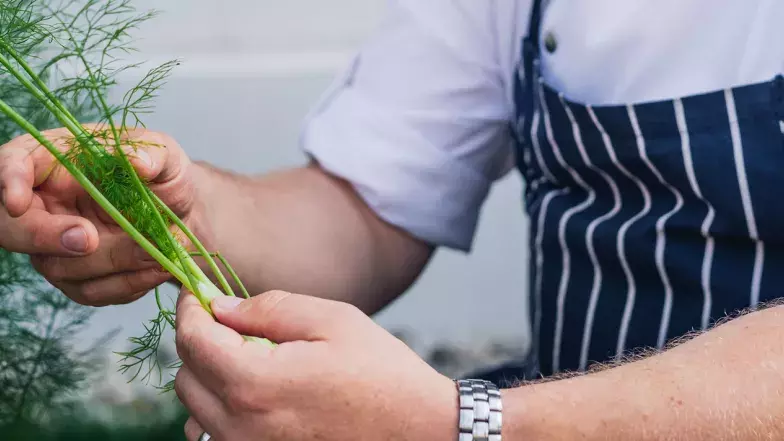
{"type": "Point", "coordinates": [336, 365]}
{"type": "Point", "coordinates": [333, 365]}
{"type": "Point", "coordinates": [310, 233]}
{"type": "Point", "coordinates": [306, 231]}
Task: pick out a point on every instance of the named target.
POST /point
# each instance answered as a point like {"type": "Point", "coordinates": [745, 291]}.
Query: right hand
{"type": "Point", "coordinates": [73, 243]}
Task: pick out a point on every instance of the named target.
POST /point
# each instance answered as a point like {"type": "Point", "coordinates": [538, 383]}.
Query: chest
{"type": "Point", "coordinates": [701, 149]}
{"type": "Point", "coordinates": [616, 52]}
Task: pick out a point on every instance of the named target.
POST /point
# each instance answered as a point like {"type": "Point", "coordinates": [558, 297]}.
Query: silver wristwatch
{"type": "Point", "coordinates": [480, 411]}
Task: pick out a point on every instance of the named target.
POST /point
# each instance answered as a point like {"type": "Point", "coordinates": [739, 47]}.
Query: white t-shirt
{"type": "Point", "coordinates": [419, 123]}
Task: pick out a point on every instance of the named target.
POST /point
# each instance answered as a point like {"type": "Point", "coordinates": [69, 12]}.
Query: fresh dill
{"type": "Point", "coordinates": [69, 53]}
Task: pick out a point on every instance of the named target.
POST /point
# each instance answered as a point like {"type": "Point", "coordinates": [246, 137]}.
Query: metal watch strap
{"type": "Point", "coordinates": [480, 411]}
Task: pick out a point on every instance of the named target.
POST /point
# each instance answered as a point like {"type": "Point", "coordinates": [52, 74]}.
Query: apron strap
{"type": "Point", "coordinates": [525, 98]}
{"type": "Point", "coordinates": [530, 53]}
{"type": "Point", "coordinates": [534, 27]}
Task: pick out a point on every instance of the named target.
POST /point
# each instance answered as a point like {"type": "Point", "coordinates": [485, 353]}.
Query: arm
{"type": "Point", "coordinates": [304, 230]}
{"type": "Point", "coordinates": [419, 149]}
{"type": "Point", "coordinates": [723, 385]}
{"type": "Point", "coordinates": [726, 384]}
{"type": "Point", "coordinates": [289, 229]}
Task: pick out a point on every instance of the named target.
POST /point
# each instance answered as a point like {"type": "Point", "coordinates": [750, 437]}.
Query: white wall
{"type": "Point", "coordinates": [257, 26]}
{"type": "Point", "coordinates": [252, 69]}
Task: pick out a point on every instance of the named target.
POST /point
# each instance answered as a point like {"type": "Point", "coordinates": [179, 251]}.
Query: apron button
{"type": "Point", "coordinates": [550, 43]}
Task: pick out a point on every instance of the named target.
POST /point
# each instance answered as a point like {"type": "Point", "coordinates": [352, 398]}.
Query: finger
{"type": "Point", "coordinates": [285, 317]}
{"type": "Point", "coordinates": [160, 161]}
{"type": "Point", "coordinates": [40, 232]}
{"type": "Point", "coordinates": [117, 289]}
{"type": "Point", "coordinates": [16, 180]}
{"type": "Point", "coordinates": [202, 404]}
{"type": "Point", "coordinates": [23, 165]}
{"type": "Point", "coordinates": [214, 351]}
{"type": "Point", "coordinates": [26, 164]}
{"type": "Point", "coordinates": [192, 430]}
{"type": "Point", "coordinates": [157, 157]}
{"type": "Point", "coordinates": [143, 148]}
{"type": "Point", "coordinates": [118, 253]}
{"type": "Point", "coordinates": [130, 298]}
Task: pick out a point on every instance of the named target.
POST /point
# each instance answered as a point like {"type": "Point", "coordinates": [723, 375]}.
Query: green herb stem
{"type": "Point", "coordinates": [63, 116]}
{"type": "Point", "coordinates": [95, 193]}
{"type": "Point", "coordinates": [161, 308]}
{"type": "Point", "coordinates": [38, 81]}
{"type": "Point", "coordinates": [201, 286]}
{"type": "Point", "coordinates": [233, 275]}
{"type": "Point", "coordinates": [231, 271]}
{"type": "Point", "coordinates": [45, 96]}
{"type": "Point", "coordinates": [100, 27]}
{"type": "Point", "coordinates": [197, 243]}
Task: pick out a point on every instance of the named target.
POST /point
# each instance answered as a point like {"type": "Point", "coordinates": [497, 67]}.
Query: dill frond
{"type": "Point", "coordinates": [59, 59]}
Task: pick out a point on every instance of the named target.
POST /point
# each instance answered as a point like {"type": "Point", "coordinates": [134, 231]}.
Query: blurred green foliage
{"type": "Point", "coordinates": [44, 373]}
{"type": "Point", "coordinates": [90, 430]}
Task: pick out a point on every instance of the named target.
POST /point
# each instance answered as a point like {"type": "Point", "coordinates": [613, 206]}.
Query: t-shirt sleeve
{"type": "Point", "coordinates": [419, 122]}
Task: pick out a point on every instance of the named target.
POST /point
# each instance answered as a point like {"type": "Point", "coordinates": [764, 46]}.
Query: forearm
{"type": "Point", "coordinates": [305, 231]}
{"type": "Point", "coordinates": [727, 384]}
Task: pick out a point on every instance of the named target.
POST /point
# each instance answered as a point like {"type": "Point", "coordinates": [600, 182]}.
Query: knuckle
{"type": "Point", "coordinates": [129, 282]}
{"type": "Point", "coordinates": [115, 259]}
{"type": "Point", "coordinates": [265, 304]}
{"type": "Point", "coordinates": [73, 292]}
{"type": "Point", "coordinates": [41, 265]}
{"type": "Point", "coordinates": [130, 298]}
{"type": "Point", "coordinates": [77, 298]}
{"type": "Point", "coordinates": [52, 268]}
{"type": "Point", "coordinates": [91, 293]}
{"type": "Point", "coordinates": [163, 139]}
{"type": "Point", "coordinates": [149, 279]}
{"type": "Point", "coordinates": [341, 317]}
{"type": "Point", "coordinates": [346, 310]}
{"type": "Point", "coordinates": [179, 386]}
{"type": "Point", "coordinates": [177, 190]}
{"type": "Point", "coordinates": [19, 141]}
{"type": "Point", "coordinates": [38, 238]}
{"type": "Point", "coordinates": [140, 281]}
{"type": "Point", "coordinates": [15, 167]}
{"type": "Point", "coordinates": [239, 398]}
{"type": "Point", "coordinates": [52, 133]}
{"type": "Point", "coordinates": [24, 138]}
{"type": "Point", "coordinates": [185, 341]}
{"type": "Point", "coordinates": [5, 168]}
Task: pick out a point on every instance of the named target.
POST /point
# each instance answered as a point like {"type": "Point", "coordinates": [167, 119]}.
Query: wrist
{"type": "Point", "coordinates": [439, 419]}
{"type": "Point", "coordinates": [480, 411]}
{"type": "Point", "coordinates": [520, 413]}
{"type": "Point", "coordinates": [425, 411]}
{"type": "Point", "coordinates": [554, 410]}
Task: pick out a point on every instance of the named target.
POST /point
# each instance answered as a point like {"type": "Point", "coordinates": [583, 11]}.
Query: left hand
{"type": "Point", "coordinates": [335, 375]}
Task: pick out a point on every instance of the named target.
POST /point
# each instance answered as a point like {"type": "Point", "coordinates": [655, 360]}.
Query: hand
{"type": "Point", "coordinates": [334, 376]}
{"type": "Point", "coordinates": [72, 241]}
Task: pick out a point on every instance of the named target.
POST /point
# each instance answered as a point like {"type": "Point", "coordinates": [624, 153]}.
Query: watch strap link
{"type": "Point", "coordinates": [480, 411]}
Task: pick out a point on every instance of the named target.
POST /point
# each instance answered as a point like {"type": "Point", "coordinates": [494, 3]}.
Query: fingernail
{"type": "Point", "coordinates": [75, 240]}
{"type": "Point", "coordinates": [226, 303]}
{"type": "Point", "coordinates": [145, 158]}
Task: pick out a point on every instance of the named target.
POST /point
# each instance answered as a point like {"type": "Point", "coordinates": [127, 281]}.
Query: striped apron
{"type": "Point", "coordinates": [648, 221]}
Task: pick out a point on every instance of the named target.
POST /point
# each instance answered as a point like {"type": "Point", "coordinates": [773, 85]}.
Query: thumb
{"type": "Point", "coordinates": [284, 317]}
{"type": "Point", "coordinates": [39, 232]}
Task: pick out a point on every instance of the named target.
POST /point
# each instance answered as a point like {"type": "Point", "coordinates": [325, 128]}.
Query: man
{"type": "Point", "coordinates": [650, 138]}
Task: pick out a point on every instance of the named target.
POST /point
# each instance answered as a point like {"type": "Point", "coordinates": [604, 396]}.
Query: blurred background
{"type": "Point", "coordinates": [251, 71]}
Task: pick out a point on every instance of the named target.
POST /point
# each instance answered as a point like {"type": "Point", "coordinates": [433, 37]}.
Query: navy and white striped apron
{"type": "Point", "coordinates": [648, 221]}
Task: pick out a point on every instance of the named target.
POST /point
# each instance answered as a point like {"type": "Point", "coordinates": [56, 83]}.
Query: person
{"type": "Point", "coordinates": [649, 135]}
